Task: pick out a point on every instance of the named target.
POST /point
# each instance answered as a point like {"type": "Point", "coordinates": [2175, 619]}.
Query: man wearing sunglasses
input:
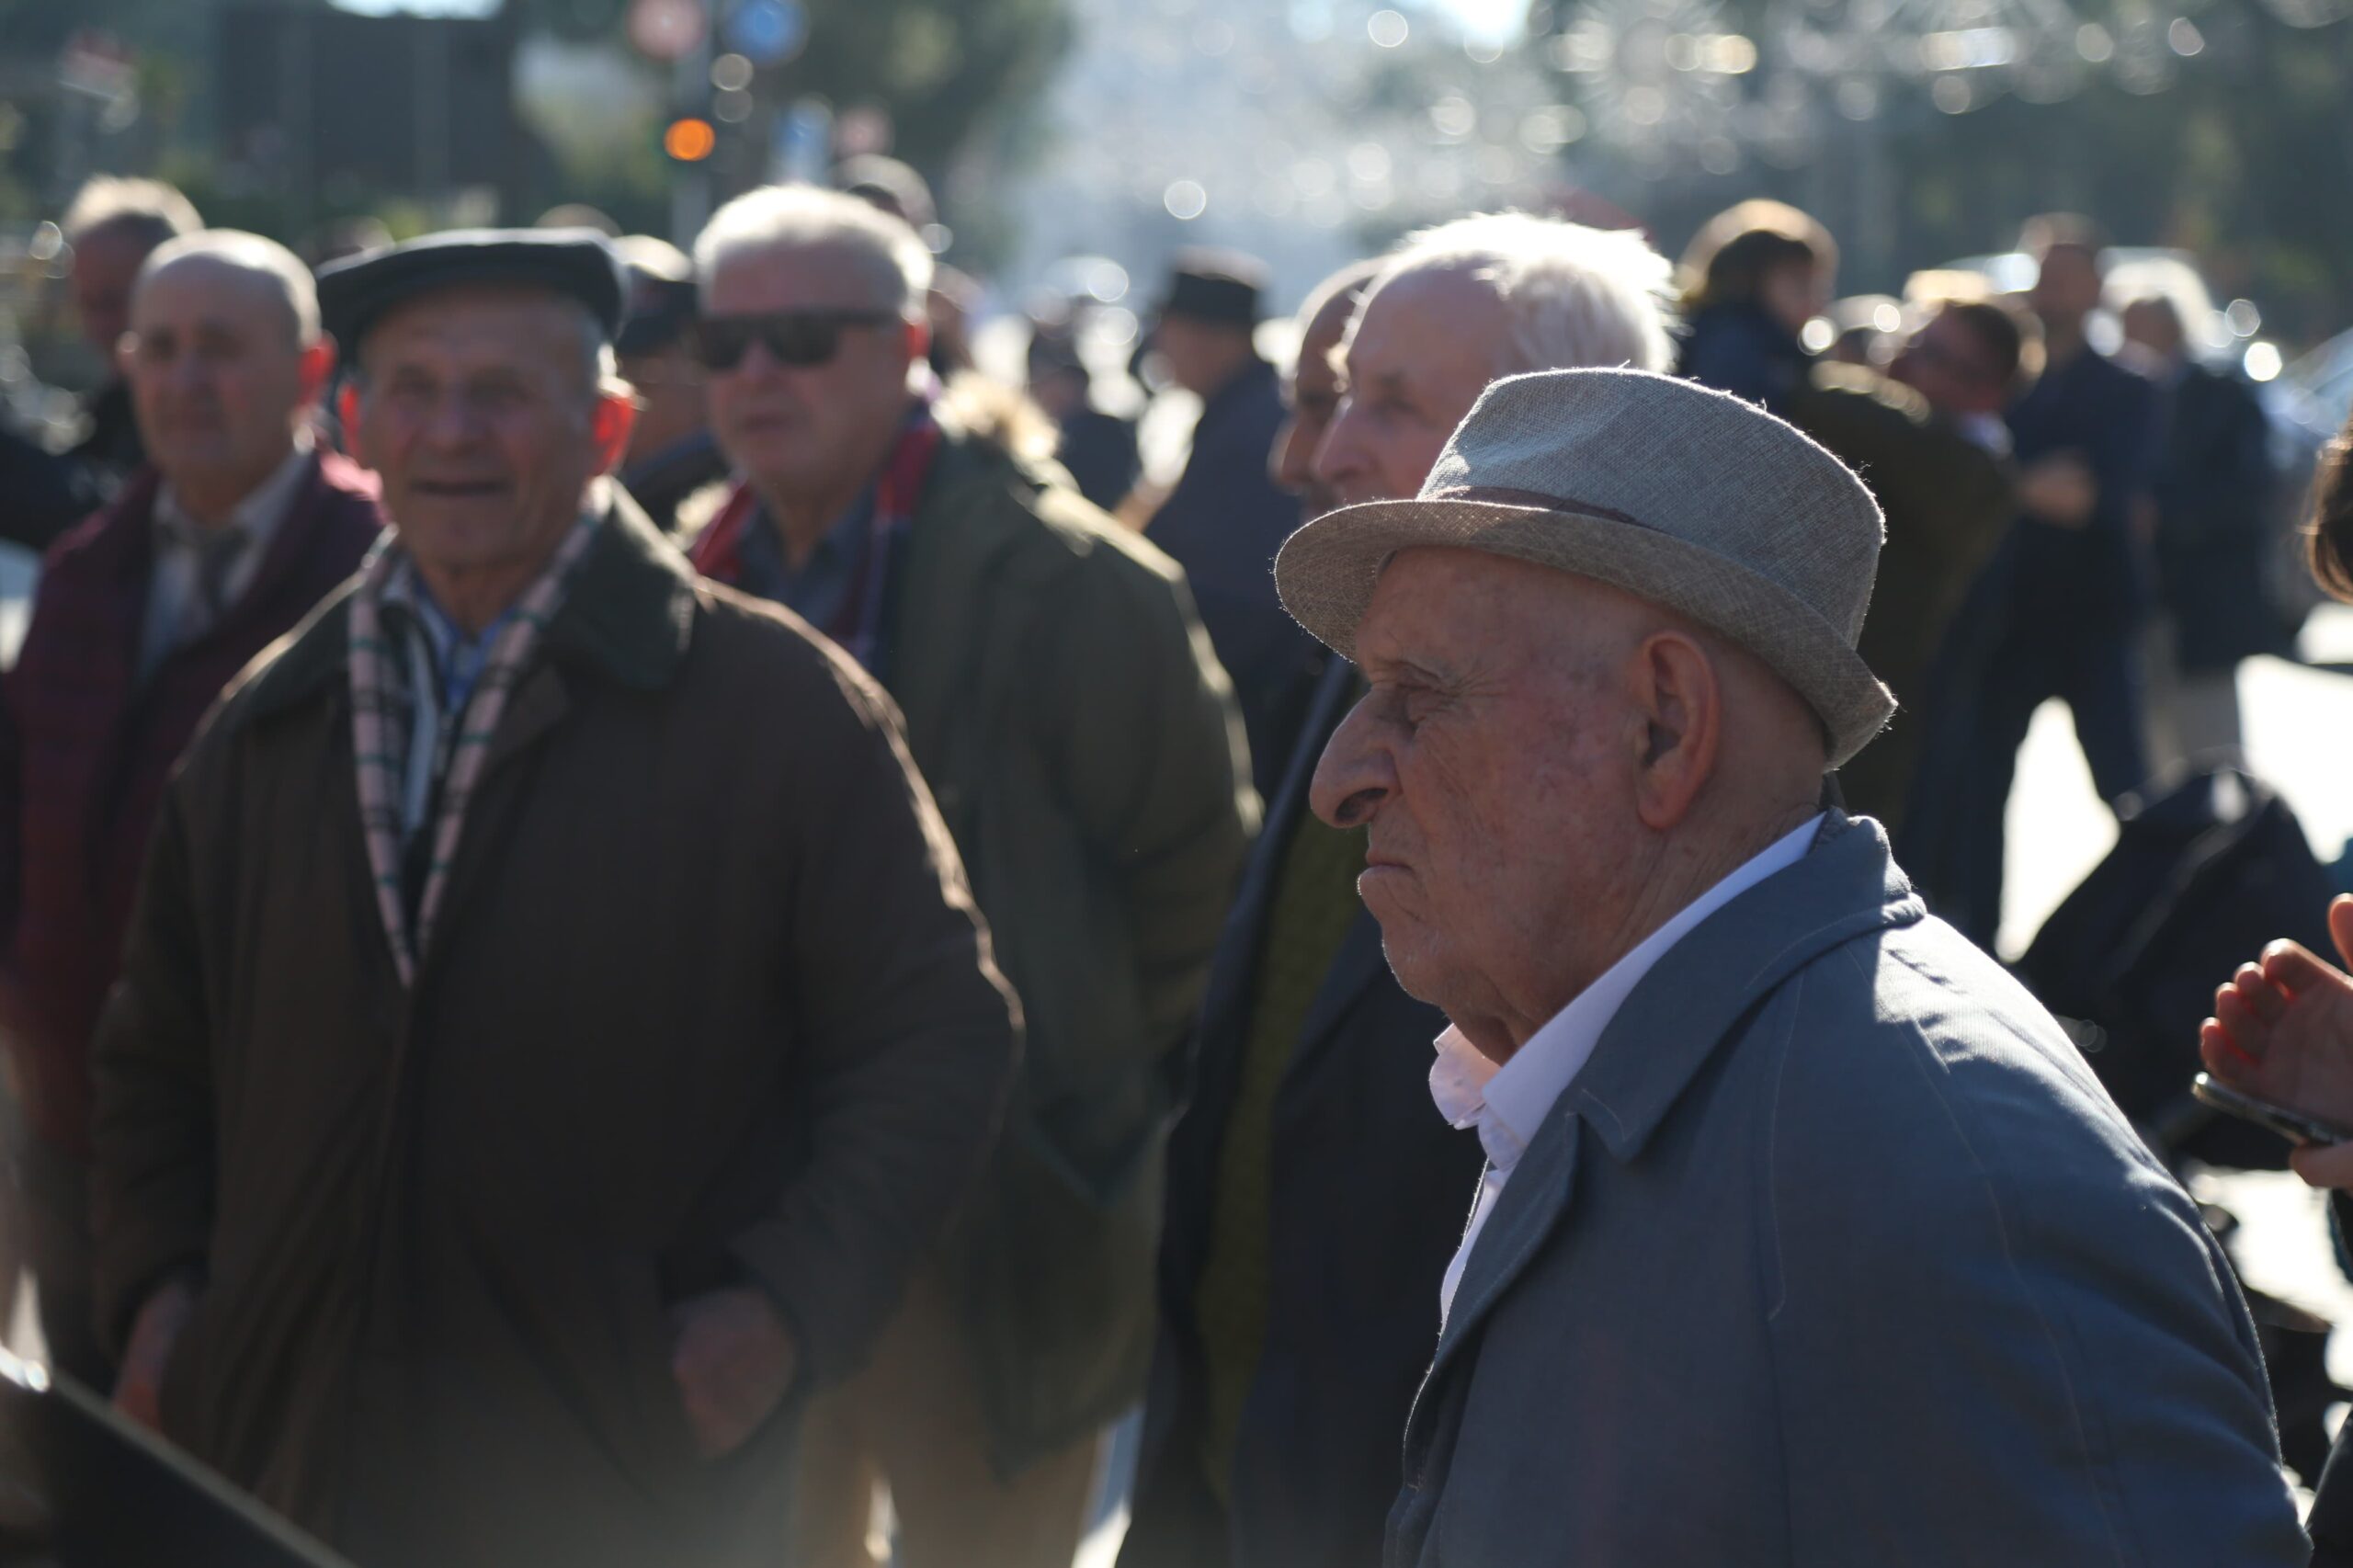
{"type": "Point", "coordinates": [1062, 700]}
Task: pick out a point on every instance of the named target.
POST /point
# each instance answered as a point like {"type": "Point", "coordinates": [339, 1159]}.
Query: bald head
{"type": "Point", "coordinates": [223, 358]}
{"type": "Point", "coordinates": [233, 260]}
{"type": "Point", "coordinates": [1467, 303]}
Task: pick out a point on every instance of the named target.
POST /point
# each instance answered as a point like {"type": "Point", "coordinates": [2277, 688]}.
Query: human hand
{"type": "Point", "coordinates": [138, 1388]}
{"type": "Point", "coordinates": [2283, 1031]}
{"type": "Point", "coordinates": [734, 1361]}
{"type": "Point", "coordinates": [2059, 490]}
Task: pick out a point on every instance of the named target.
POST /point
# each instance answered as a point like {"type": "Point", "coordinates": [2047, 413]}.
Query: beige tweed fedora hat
{"type": "Point", "coordinates": [1660, 487]}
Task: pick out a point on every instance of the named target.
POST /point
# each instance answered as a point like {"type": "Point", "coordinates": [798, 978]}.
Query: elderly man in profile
{"type": "Point", "coordinates": [144, 612]}
{"type": "Point", "coordinates": [555, 1022]}
{"type": "Point", "coordinates": [1806, 1237]}
{"type": "Point", "coordinates": [1312, 1198]}
{"type": "Point", "coordinates": [1062, 700]}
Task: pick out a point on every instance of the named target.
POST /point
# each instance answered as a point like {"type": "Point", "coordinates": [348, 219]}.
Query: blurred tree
{"type": "Point", "coordinates": [2239, 159]}
{"type": "Point", "coordinates": [944, 71]}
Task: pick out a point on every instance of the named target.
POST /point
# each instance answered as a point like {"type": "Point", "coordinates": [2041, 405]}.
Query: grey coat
{"type": "Point", "coordinates": [1836, 1253]}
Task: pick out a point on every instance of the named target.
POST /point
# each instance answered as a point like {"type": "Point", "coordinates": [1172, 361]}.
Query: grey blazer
{"type": "Point", "coordinates": [1836, 1253]}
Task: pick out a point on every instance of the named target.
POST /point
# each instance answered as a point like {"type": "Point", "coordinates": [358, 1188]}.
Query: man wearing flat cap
{"type": "Point", "coordinates": [1226, 517]}
{"type": "Point", "coordinates": [529, 1077]}
{"type": "Point", "coordinates": [1805, 1236]}
{"type": "Point", "coordinates": [672, 452]}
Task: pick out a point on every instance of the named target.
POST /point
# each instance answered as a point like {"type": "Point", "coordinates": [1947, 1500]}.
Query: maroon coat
{"type": "Point", "coordinates": [85, 746]}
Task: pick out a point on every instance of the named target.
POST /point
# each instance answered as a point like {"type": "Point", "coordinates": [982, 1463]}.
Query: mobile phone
{"type": "Point", "coordinates": [2293, 1125]}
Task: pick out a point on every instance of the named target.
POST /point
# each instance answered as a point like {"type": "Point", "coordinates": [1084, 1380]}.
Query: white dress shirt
{"type": "Point", "coordinates": [176, 611]}
{"type": "Point", "coordinates": [1508, 1102]}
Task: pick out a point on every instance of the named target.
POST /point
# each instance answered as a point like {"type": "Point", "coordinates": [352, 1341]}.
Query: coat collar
{"type": "Point", "coordinates": [1673, 1021]}
{"type": "Point", "coordinates": [969, 522]}
{"type": "Point", "coordinates": [628, 616]}
{"type": "Point", "coordinates": [1682, 1011]}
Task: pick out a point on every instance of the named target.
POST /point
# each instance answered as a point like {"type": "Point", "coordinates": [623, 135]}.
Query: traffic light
{"type": "Point", "coordinates": [689, 139]}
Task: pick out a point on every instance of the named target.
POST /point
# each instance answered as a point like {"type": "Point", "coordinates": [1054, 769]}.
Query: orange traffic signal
{"type": "Point", "coordinates": [690, 140]}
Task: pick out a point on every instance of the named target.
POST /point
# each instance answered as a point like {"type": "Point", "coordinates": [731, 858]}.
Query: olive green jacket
{"type": "Point", "coordinates": [1063, 702]}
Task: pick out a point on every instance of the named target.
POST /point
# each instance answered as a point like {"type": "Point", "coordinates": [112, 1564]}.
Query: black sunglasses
{"type": "Point", "coordinates": [792, 337]}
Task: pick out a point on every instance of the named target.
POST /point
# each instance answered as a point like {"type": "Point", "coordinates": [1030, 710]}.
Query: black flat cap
{"type": "Point", "coordinates": [1215, 285]}
{"type": "Point", "coordinates": [661, 294]}
{"type": "Point", "coordinates": [580, 264]}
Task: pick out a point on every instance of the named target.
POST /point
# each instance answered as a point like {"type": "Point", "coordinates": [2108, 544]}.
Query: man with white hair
{"type": "Point", "coordinates": [145, 611]}
{"type": "Point", "coordinates": [1806, 1236]}
{"type": "Point", "coordinates": [1061, 698]}
{"type": "Point", "coordinates": [1314, 1200]}
{"type": "Point", "coordinates": [112, 225]}
{"type": "Point", "coordinates": [555, 1022]}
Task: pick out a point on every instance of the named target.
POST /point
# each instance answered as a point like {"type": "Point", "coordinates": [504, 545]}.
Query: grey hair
{"type": "Point", "coordinates": [248, 252]}
{"type": "Point", "coordinates": [795, 217]}
{"type": "Point", "coordinates": [153, 211]}
{"type": "Point", "coordinates": [1575, 297]}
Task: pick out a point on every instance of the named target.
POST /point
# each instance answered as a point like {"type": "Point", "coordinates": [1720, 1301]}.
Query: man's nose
{"type": "Point", "coordinates": [1354, 776]}
{"type": "Point", "coordinates": [1335, 455]}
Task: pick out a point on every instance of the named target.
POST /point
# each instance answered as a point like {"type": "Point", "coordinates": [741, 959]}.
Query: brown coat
{"type": "Point", "coordinates": [708, 1003]}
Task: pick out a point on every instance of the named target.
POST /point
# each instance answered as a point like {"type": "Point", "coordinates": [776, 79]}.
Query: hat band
{"type": "Point", "coordinates": [1503, 495]}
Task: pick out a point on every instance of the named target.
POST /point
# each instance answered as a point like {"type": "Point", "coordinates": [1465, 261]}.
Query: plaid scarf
{"type": "Point", "coordinates": [402, 742]}
{"type": "Point", "coordinates": [717, 552]}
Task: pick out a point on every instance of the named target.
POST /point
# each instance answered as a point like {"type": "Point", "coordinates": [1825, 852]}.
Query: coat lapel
{"type": "Point", "coordinates": [1674, 1020]}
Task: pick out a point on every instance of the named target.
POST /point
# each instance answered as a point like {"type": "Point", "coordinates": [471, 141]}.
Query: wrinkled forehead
{"type": "Point", "coordinates": [1451, 604]}
{"type": "Point", "coordinates": [480, 325]}
{"type": "Point", "coordinates": [790, 274]}
{"type": "Point", "coordinates": [211, 288]}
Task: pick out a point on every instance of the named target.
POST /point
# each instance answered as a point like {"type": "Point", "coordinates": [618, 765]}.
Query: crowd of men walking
{"type": "Point", "coordinates": [732, 945]}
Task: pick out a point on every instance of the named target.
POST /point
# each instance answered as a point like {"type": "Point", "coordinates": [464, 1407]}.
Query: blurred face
{"type": "Point", "coordinates": [1312, 394]}
{"type": "Point", "coordinates": [216, 376]}
{"type": "Point", "coordinates": [1494, 764]}
{"type": "Point", "coordinates": [2154, 327]}
{"type": "Point", "coordinates": [1946, 364]}
{"type": "Point", "coordinates": [106, 264]}
{"type": "Point", "coordinates": [809, 430]}
{"type": "Point", "coordinates": [1424, 345]}
{"type": "Point", "coordinates": [670, 398]}
{"type": "Point", "coordinates": [1199, 355]}
{"type": "Point", "coordinates": [1795, 293]}
{"type": "Point", "coordinates": [478, 410]}
{"type": "Point", "coordinates": [2066, 286]}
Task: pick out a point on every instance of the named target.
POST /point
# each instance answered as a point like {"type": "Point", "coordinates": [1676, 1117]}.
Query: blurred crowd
{"type": "Point", "coordinates": [756, 954]}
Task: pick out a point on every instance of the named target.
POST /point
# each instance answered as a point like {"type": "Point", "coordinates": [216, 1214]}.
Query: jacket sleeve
{"type": "Point", "coordinates": [2221, 490]}
{"type": "Point", "coordinates": [908, 1035]}
{"type": "Point", "coordinates": [2001, 1333]}
{"type": "Point", "coordinates": [1146, 745]}
{"type": "Point", "coordinates": [152, 1179]}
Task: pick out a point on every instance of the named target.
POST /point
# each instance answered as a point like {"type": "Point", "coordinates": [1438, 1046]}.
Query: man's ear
{"type": "Point", "coordinates": [318, 368]}
{"type": "Point", "coordinates": [346, 411]}
{"type": "Point", "coordinates": [918, 341]}
{"type": "Point", "coordinates": [615, 417]}
{"type": "Point", "coordinates": [1680, 698]}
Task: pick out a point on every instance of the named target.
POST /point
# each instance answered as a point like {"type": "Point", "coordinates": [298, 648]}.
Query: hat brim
{"type": "Point", "coordinates": [1327, 570]}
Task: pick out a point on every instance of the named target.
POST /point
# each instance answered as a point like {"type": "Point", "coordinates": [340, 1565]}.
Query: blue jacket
{"type": "Point", "coordinates": [1223, 524]}
{"type": "Point", "coordinates": [1836, 1254]}
{"type": "Point", "coordinates": [2100, 573]}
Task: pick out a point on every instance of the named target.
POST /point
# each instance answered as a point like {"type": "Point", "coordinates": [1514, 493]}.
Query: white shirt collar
{"type": "Point", "coordinates": [1508, 1102]}
{"type": "Point", "coordinates": [258, 515]}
